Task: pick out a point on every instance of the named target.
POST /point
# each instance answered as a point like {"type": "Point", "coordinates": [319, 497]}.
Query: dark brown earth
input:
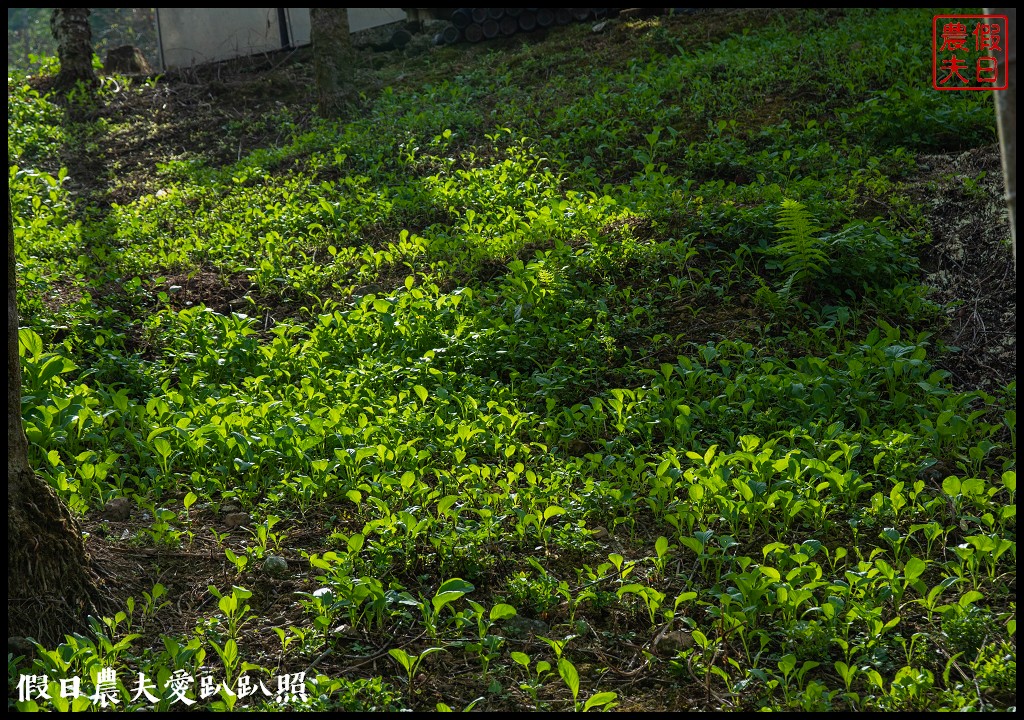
{"type": "Point", "coordinates": [970, 265]}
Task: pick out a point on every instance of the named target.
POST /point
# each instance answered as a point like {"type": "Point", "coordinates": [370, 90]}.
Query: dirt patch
{"type": "Point", "coordinates": [212, 118]}
{"type": "Point", "coordinates": [227, 293]}
{"type": "Point", "coordinates": [186, 571]}
{"type": "Point", "coordinates": [221, 293]}
{"type": "Point", "coordinates": [969, 265]}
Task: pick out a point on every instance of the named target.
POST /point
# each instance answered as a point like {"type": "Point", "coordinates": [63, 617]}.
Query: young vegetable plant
{"type": "Point", "coordinates": [151, 602]}
{"type": "Point", "coordinates": [661, 547]}
{"type": "Point", "coordinates": [534, 679]}
{"type": "Point", "coordinates": [571, 678]}
{"type": "Point", "coordinates": [787, 665]}
{"type": "Point", "coordinates": [449, 591]}
{"type": "Point", "coordinates": [411, 663]}
{"type": "Point", "coordinates": [236, 611]}
{"type": "Point", "coordinates": [486, 645]}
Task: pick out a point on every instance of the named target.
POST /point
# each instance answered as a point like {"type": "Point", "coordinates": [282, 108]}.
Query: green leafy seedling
{"type": "Point", "coordinates": [411, 663]}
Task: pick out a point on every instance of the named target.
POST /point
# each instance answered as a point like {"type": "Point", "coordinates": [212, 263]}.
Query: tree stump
{"type": "Point", "coordinates": [126, 60]}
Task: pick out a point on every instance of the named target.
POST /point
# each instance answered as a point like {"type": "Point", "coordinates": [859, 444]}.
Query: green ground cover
{"type": "Point", "coordinates": [595, 371]}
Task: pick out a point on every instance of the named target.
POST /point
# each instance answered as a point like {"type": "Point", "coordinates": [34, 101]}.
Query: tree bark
{"type": "Point", "coordinates": [70, 28]}
{"type": "Point", "coordinates": [333, 60]}
{"type": "Point", "coordinates": [1006, 119]}
{"type": "Point", "coordinates": [50, 586]}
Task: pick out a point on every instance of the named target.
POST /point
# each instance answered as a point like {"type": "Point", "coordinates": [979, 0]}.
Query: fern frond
{"type": "Point", "coordinates": [777, 302]}
{"type": "Point", "coordinates": [802, 251]}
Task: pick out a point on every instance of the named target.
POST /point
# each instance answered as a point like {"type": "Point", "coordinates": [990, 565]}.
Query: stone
{"type": "Point", "coordinates": [118, 509]}
{"type": "Point", "coordinates": [17, 645]}
{"type": "Point", "coordinates": [275, 566]}
{"type": "Point", "coordinates": [522, 628]}
{"type": "Point", "coordinates": [237, 520]}
{"type": "Point", "coordinates": [669, 643]}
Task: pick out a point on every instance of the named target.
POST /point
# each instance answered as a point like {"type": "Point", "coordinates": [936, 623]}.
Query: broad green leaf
{"type": "Point", "coordinates": [30, 341]}
{"type": "Point", "coordinates": [710, 454]}
{"type": "Point", "coordinates": [973, 486]}
{"type": "Point", "coordinates": [230, 652]}
{"type": "Point", "coordinates": [951, 486]}
{"type": "Point", "coordinates": [162, 446]}
{"type": "Point", "coordinates": [445, 503]}
{"type": "Point", "coordinates": [552, 511]}
{"type": "Point", "coordinates": [430, 651]}
{"type": "Point", "coordinates": [599, 700]}
{"type": "Point", "coordinates": [156, 432]}
{"type": "Point", "coordinates": [53, 367]}
{"type": "Point", "coordinates": [983, 543]}
{"type": "Point", "coordinates": [450, 591]}
{"type": "Point", "coordinates": [914, 568]}
{"type": "Point", "coordinates": [456, 585]}
{"type": "Point", "coordinates": [443, 598]}
{"type": "Point", "coordinates": [685, 597]}
{"type": "Point", "coordinates": [635, 588]}
{"type": "Point", "coordinates": [567, 671]}
{"type": "Point", "coordinates": [969, 597]}
{"type": "Point", "coordinates": [502, 611]}
{"type": "Point", "coordinates": [892, 535]}
{"type": "Point", "coordinates": [402, 657]}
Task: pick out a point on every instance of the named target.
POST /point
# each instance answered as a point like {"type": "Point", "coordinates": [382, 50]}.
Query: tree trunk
{"type": "Point", "coordinates": [333, 60]}
{"type": "Point", "coordinates": [1006, 119]}
{"type": "Point", "coordinates": [50, 588]}
{"type": "Point", "coordinates": [70, 28]}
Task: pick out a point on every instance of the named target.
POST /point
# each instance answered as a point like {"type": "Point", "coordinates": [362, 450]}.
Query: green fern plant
{"type": "Point", "coordinates": [800, 249]}
{"type": "Point", "coordinates": [777, 302]}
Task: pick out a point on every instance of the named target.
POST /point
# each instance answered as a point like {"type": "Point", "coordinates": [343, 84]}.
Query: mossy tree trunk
{"type": "Point", "coordinates": [70, 28]}
{"type": "Point", "coordinates": [333, 60]}
{"type": "Point", "coordinates": [50, 587]}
